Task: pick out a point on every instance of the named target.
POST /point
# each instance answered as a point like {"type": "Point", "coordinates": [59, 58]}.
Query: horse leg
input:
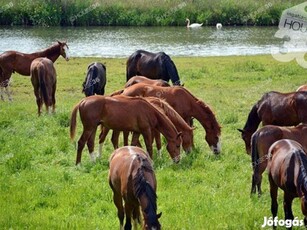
{"type": "Point", "coordinates": [148, 141]}
{"type": "Point", "coordinates": [273, 193]}
{"type": "Point", "coordinates": [126, 136]}
{"type": "Point", "coordinates": [135, 139]}
{"type": "Point", "coordinates": [114, 139]}
{"type": "Point", "coordinates": [102, 138]}
{"type": "Point", "coordinates": [117, 199]}
{"type": "Point", "coordinates": [53, 98]}
{"type": "Point", "coordinates": [287, 206]}
{"type": "Point", "coordinates": [8, 93]}
{"type": "Point", "coordinates": [90, 145]}
{"type": "Point", "coordinates": [128, 211]}
{"type": "Point", "coordinates": [81, 143]}
{"type": "Point", "coordinates": [39, 101]}
{"type": "Point", "coordinates": [1, 92]}
{"type": "Point", "coordinates": [158, 142]}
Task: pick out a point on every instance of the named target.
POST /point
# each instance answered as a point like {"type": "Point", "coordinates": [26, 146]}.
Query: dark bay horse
{"type": "Point", "coordinates": [263, 138]}
{"type": "Point", "coordinates": [176, 119]}
{"type": "Point", "coordinates": [287, 170]}
{"type": "Point", "coordinates": [274, 108]}
{"type": "Point", "coordinates": [138, 79]}
{"type": "Point", "coordinates": [132, 180]}
{"type": "Point", "coordinates": [95, 79]}
{"type": "Point", "coordinates": [13, 61]}
{"type": "Point", "coordinates": [43, 78]}
{"type": "Point", "coordinates": [152, 65]}
{"type": "Point", "coordinates": [186, 105]}
{"type": "Point", "coordinates": [123, 114]}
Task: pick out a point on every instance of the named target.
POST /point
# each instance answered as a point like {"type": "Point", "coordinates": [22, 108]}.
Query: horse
{"type": "Point", "coordinates": [43, 78]}
{"type": "Point", "coordinates": [95, 79]}
{"type": "Point", "coordinates": [275, 108]}
{"type": "Point", "coordinates": [123, 114]}
{"type": "Point", "coordinates": [138, 79]}
{"type": "Point", "coordinates": [152, 65]}
{"type": "Point", "coordinates": [302, 88]}
{"type": "Point", "coordinates": [132, 180]}
{"type": "Point", "coordinates": [14, 61]}
{"type": "Point", "coordinates": [263, 138]}
{"type": "Point", "coordinates": [176, 119]}
{"type": "Point", "coordinates": [287, 170]}
{"type": "Point", "coordinates": [186, 105]}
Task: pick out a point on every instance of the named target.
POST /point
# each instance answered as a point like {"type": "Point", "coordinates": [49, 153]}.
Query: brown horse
{"type": "Point", "coordinates": [176, 119]}
{"type": "Point", "coordinates": [43, 78]}
{"type": "Point", "coordinates": [132, 180]}
{"type": "Point", "coordinates": [186, 105]}
{"type": "Point", "coordinates": [13, 61]}
{"type": "Point", "coordinates": [287, 170]}
{"type": "Point", "coordinates": [123, 114]}
{"type": "Point", "coordinates": [138, 79]}
{"type": "Point", "coordinates": [263, 138]}
{"type": "Point", "coordinates": [274, 108]}
{"type": "Point", "coordinates": [152, 65]}
{"type": "Point", "coordinates": [302, 88]}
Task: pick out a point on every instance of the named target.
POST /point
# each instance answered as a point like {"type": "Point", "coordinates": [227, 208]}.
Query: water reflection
{"type": "Point", "coordinates": [122, 41]}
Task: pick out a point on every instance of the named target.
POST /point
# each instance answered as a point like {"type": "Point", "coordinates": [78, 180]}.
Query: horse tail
{"type": "Point", "coordinates": [73, 121]}
{"type": "Point", "coordinates": [302, 178]}
{"type": "Point", "coordinates": [41, 75]}
{"type": "Point", "coordinates": [131, 66]}
{"type": "Point", "coordinates": [171, 70]}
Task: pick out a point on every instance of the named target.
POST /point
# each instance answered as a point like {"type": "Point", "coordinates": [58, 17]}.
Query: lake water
{"type": "Point", "coordinates": [122, 41]}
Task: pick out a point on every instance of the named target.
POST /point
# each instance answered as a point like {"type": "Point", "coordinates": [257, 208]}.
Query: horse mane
{"type": "Point", "coordinates": [142, 187]}
{"type": "Point", "coordinates": [253, 120]}
{"type": "Point", "coordinates": [171, 69]}
{"type": "Point", "coordinates": [302, 178]}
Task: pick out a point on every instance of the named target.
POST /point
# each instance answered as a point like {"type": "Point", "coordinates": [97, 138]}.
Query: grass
{"type": "Point", "coordinates": [41, 188]}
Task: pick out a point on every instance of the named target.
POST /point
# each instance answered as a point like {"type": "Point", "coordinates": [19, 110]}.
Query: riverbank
{"type": "Point", "coordinates": [40, 187]}
{"type": "Point", "coordinates": [140, 13]}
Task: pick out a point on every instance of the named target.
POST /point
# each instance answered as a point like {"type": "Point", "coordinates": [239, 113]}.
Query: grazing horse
{"type": "Point", "coordinates": [186, 105]}
{"type": "Point", "coordinates": [302, 88]}
{"type": "Point", "coordinates": [165, 108]}
{"type": "Point", "coordinates": [13, 61]}
{"type": "Point", "coordinates": [43, 78]}
{"type": "Point", "coordinates": [274, 108]}
{"type": "Point", "coordinates": [138, 79]}
{"type": "Point", "coordinates": [95, 79]}
{"type": "Point", "coordinates": [123, 114]}
{"type": "Point", "coordinates": [152, 65]}
{"type": "Point", "coordinates": [263, 138]}
{"type": "Point", "coordinates": [287, 170]}
{"type": "Point", "coordinates": [132, 180]}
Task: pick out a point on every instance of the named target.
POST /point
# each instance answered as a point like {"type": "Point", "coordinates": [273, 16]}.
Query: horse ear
{"type": "Point", "coordinates": [179, 134]}
{"type": "Point", "coordinates": [241, 130]}
{"type": "Point", "coordinates": [159, 215]}
{"type": "Point", "coordinates": [60, 43]}
{"type": "Point", "coordinates": [193, 128]}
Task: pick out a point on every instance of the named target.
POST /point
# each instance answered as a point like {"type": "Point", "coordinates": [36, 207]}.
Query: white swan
{"type": "Point", "coordinates": [193, 25]}
{"type": "Point", "coordinates": [219, 25]}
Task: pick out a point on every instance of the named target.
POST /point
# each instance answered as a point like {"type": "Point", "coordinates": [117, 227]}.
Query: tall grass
{"type": "Point", "coordinates": [40, 187]}
{"type": "Point", "coordinates": [140, 13]}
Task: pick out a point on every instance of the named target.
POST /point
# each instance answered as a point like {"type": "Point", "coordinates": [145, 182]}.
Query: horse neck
{"type": "Point", "coordinates": [253, 120]}
{"type": "Point", "coordinates": [171, 70]}
{"type": "Point", "coordinates": [206, 117]}
{"type": "Point", "coordinates": [165, 126]}
{"type": "Point", "coordinates": [51, 53]}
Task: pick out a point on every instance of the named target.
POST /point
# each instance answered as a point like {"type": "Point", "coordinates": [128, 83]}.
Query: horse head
{"type": "Point", "coordinates": [64, 50]}
{"type": "Point", "coordinates": [153, 222]}
{"type": "Point", "coordinates": [246, 136]}
{"type": "Point", "coordinates": [171, 70]}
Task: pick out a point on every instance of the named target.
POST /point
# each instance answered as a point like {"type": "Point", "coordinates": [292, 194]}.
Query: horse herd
{"type": "Point", "coordinates": [149, 106]}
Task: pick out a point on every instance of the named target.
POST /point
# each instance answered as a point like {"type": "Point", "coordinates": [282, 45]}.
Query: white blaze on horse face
{"type": "Point", "coordinates": [66, 50]}
{"type": "Point", "coordinates": [216, 149]}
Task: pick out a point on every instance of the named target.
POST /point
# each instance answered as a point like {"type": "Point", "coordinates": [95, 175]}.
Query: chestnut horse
{"type": "Point", "coordinates": [152, 65]}
{"type": "Point", "coordinates": [302, 88]}
{"type": "Point", "coordinates": [176, 119]}
{"type": "Point", "coordinates": [287, 170]}
{"type": "Point", "coordinates": [138, 79]}
{"type": "Point", "coordinates": [95, 79]}
{"type": "Point", "coordinates": [132, 180]}
{"type": "Point", "coordinates": [274, 108]}
{"type": "Point", "coordinates": [186, 105]}
{"type": "Point", "coordinates": [13, 61]}
{"type": "Point", "coordinates": [263, 138]}
{"type": "Point", "coordinates": [123, 114]}
{"type": "Point", "coordinates": [43, 78]}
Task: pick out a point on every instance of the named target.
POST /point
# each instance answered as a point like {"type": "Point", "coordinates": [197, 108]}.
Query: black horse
{"type": "Point", "coordinates": [152, 65]}
{"type": "Point", "coordinates": [95, 80]}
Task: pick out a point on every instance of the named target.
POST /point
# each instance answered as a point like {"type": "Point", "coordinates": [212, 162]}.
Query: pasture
{"type": "Point", "coordinates": [40, 186]}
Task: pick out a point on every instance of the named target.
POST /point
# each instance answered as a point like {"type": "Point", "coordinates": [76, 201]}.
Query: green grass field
{"type": "Point", "coordinates": [41, 188]}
